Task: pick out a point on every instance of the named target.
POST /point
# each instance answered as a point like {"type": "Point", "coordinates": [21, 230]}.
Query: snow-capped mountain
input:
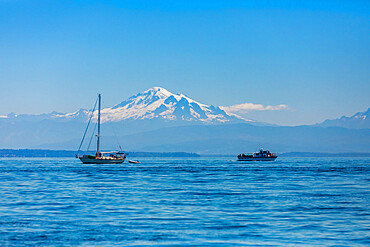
{"type": "Point", "coordinates": [361, 120]}
{"type": "Point", "coordinates": [154, 104]}
{"type": "Point", "coordinates": [158, 103]}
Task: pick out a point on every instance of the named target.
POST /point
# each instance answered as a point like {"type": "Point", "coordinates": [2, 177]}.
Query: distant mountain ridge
{"type": "Point", "coordinates": [80, 115]}
{"type": "Point", "coordinates": [360, 120]}
{"type": "Point", "coordinates": [236, 138]}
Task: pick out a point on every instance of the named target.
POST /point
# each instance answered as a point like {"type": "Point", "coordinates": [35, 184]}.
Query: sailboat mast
{"type": "Point", "coordinates": [98, 141]}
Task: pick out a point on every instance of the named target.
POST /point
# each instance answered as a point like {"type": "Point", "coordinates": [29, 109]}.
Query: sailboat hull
{"type": "Point", "coordinates": [87, 160]}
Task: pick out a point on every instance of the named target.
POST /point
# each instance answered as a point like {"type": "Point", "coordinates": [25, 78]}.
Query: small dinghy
{"type": "Point", "coordinates": [134, 161]}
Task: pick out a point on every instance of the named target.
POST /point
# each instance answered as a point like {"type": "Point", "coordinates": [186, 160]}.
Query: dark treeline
{"type": "Point", "coordinates": [314, 154]}
{"type": "Point", "coordinates": [68, 153]}
{"type": "Point", "coordinates": [36, 153]}
{"type": "Point", "coordinates": [305, 154]}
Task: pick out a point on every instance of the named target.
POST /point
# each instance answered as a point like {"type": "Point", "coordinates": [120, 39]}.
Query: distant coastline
{"type": "Point", "coordinates": [29, 153]}
{"type": "Point", "coordinates": [305, 154]}
{"type": "Point", "coordinates": [316, 154]}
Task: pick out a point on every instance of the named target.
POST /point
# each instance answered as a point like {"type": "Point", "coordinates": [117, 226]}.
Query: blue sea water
{"type": "Point", "coordinates": [185, 202]}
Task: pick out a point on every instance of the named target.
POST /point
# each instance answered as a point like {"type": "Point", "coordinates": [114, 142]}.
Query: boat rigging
{"type": "Point", "coordinates": [113, 157]}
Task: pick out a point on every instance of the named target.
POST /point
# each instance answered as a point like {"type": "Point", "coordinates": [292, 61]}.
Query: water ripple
{"type": "Point", "coordinates": [185, 202]}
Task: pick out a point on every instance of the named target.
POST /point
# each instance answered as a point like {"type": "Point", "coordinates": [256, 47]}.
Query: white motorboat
{"type": "Point", "coordinates": [258, 156]}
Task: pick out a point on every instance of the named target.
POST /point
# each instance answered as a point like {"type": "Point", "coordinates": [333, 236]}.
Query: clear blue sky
{"type": "Point", "coordinates": [313, 56]}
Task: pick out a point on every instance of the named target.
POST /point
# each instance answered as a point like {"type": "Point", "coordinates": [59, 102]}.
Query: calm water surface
{"type": "Point", "coordinates": [185, 202]}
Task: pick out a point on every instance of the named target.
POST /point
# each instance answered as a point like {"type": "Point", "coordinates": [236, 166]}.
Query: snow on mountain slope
{"type": "Point", "coordinates": [158, 103]}
{"type": "Point", "coordinates": [80, 115]}
{"type": "Point", "coordinates": [360, 120]}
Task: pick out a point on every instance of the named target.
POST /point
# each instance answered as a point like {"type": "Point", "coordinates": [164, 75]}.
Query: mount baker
{"type": "Point", "coordinates": [159, 103]}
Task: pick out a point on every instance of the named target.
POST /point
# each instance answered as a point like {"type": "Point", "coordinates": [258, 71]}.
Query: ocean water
{"type": "Point", "coordinates": [185, 202]}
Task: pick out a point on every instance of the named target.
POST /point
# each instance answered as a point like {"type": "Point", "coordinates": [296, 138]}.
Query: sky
{"type": "Point", "coordinates": [310, 57]}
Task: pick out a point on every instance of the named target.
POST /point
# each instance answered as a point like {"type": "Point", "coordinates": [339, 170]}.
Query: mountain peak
{"type": "Point", "coordinates": [360, 120]}
{"type": "Point", "coordinates": [159, 103]}
{"type": "Point", "coordinates": [158, 91]}
{"type": "Point", "coordinates": [164, 94]}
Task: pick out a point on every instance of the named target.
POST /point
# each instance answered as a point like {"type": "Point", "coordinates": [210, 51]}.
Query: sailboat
{"type": "Point", "coordinates": [100, 157]}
